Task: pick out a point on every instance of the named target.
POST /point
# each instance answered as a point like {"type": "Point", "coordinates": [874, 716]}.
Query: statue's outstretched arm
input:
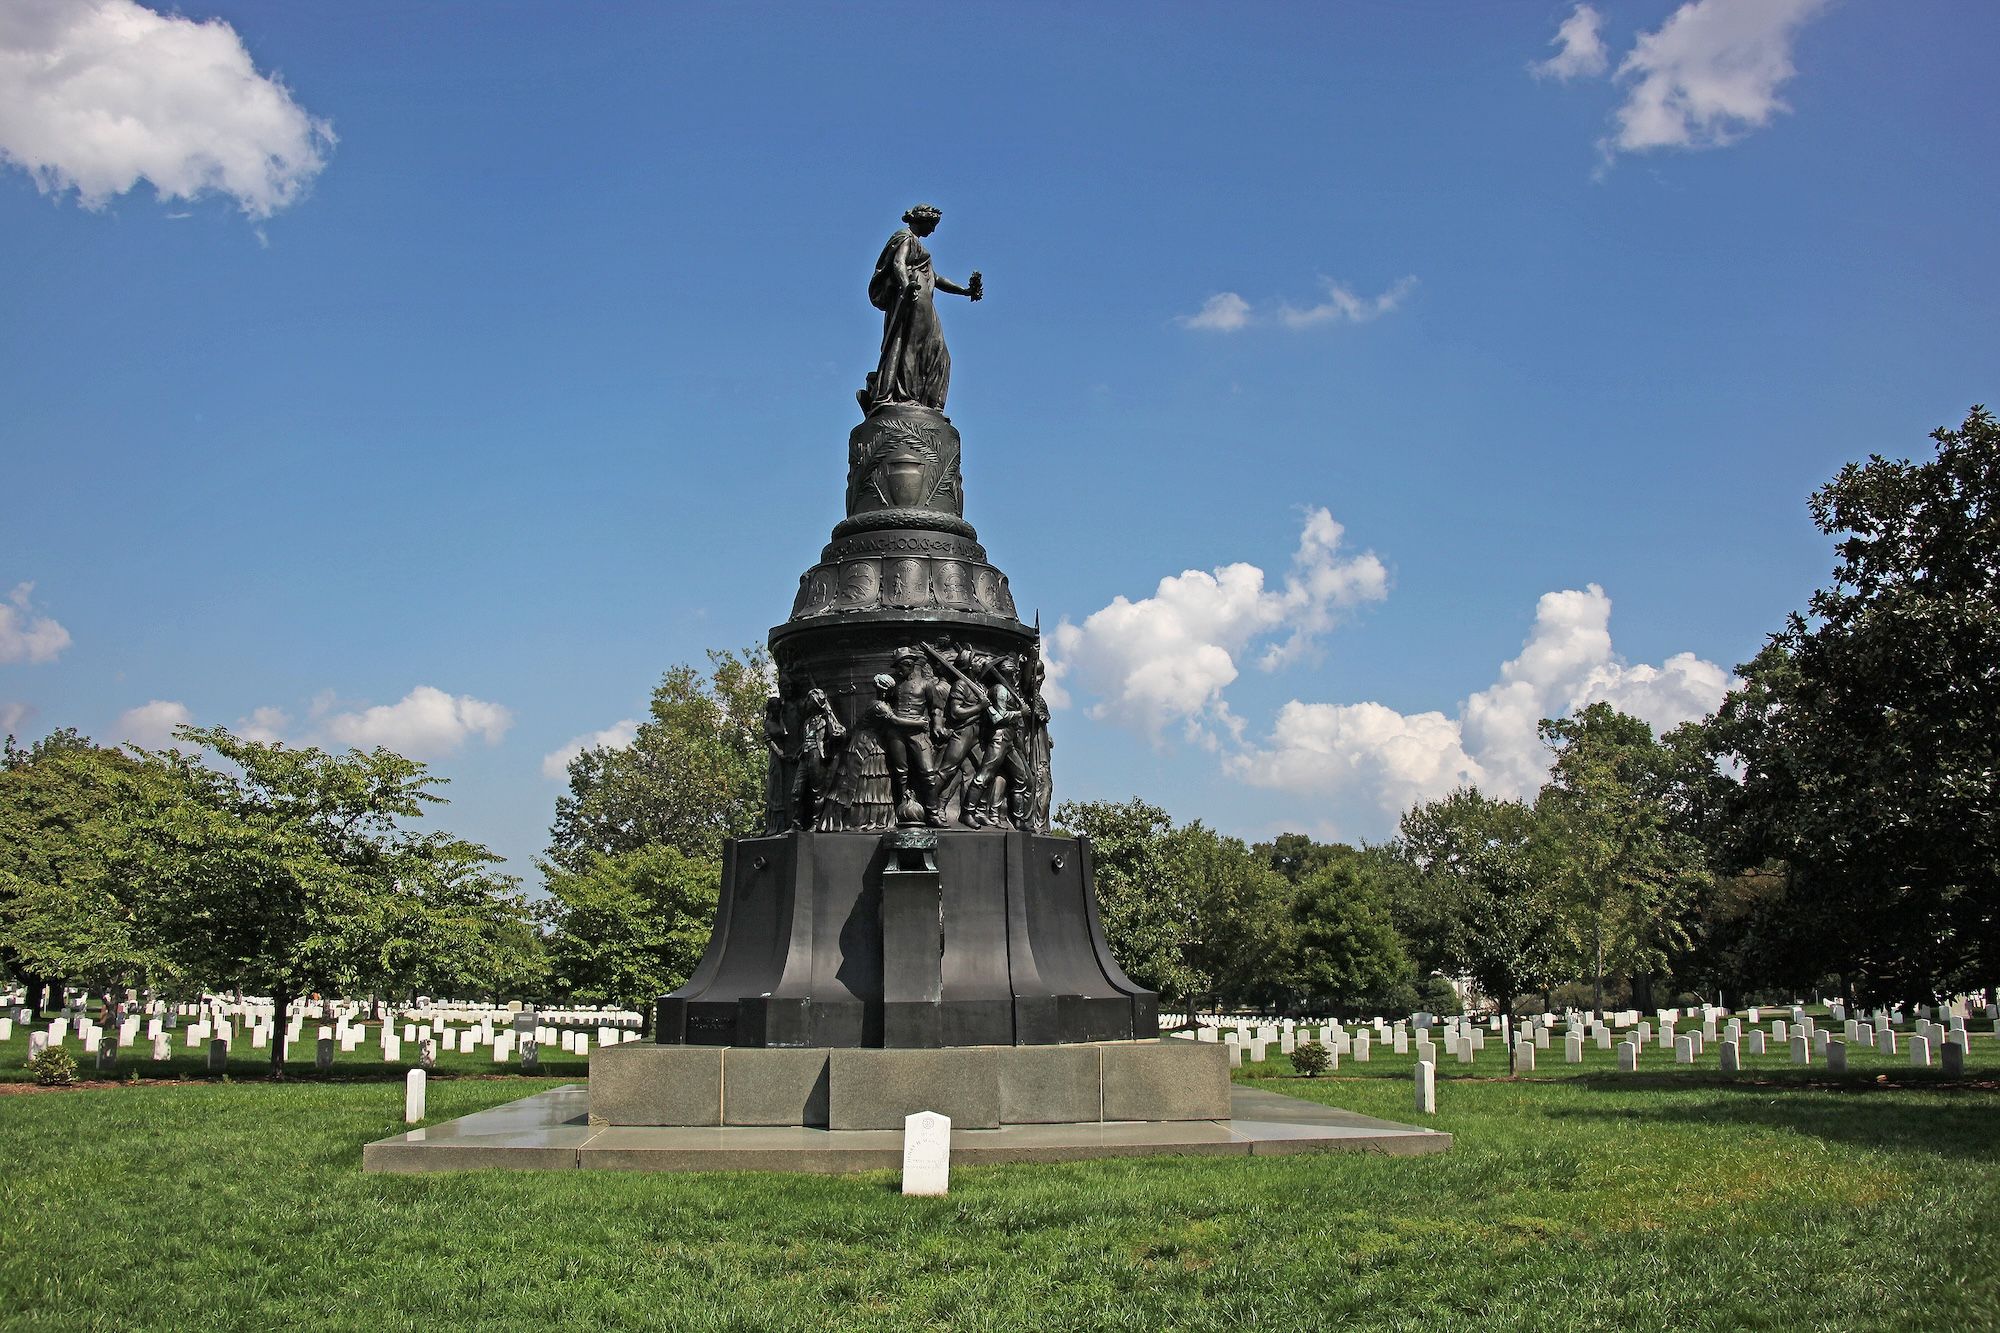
{"type": "Point", "coordinates": [975, 288]}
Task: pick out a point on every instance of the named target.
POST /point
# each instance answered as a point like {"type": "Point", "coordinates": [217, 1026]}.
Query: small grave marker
{"type": "Point", "coordinates": [926, 1153]}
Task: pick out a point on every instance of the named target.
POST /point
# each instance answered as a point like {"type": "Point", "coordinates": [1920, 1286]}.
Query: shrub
{"type": "Point", "coordinates": [54, 1068]}
{"type": "Point", "coordinates": [1311, 1059]}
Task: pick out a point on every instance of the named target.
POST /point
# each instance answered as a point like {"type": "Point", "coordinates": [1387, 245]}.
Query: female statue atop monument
{"type": "Point", "coordinates": [914, 367]}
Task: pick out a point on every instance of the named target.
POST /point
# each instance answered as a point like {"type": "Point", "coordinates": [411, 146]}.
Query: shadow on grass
{"type": "Point", "coordinates": [1950, 1116]}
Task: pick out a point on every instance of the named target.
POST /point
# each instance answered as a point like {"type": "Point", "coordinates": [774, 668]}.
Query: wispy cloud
{"type": "Point", "coordinates": [1342, 306]}
{"type": "Point", "coordinates": [1229, 312]}
{"type": "Point", "coordinates": [1580, 48]}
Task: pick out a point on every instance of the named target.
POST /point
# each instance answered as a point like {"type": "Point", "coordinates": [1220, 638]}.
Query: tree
{"type": "Point", "coordinates": [1146, 909]}
{"type": "Point", "coordinates": [1238, 908]}
{"type": "Point", "coordinates": [1485, 870]}
{"type": "Point", "coordinates": [1865, 735]}
{"type": "Point", "coordinates": [1627, 875]}
{"type": "Point", "coordinates": [278, 872]}
{"type": "Point", "coordinates": [630, 926]}
{"type": "Point", "coordinates": [692, 776]}
{"type": "Point", "coordinates": [1296, 856]}
{"type": "Point", "coordinates": [66, 913]}
{"type": "Point", "coordinates": [450, 924]}
{"type": "Point", "coordinates": [1344, 952]}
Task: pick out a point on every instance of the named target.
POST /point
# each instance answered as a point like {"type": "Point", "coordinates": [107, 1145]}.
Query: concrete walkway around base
{"type": "Point", "coordinates": [552, 1131]}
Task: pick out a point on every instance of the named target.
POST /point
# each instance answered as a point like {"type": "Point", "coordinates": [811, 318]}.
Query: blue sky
{"type": "Point", "coordinates": [439, 375]}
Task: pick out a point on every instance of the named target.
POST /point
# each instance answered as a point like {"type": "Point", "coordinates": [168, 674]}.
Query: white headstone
{"type": "Point", "coordinates": [413, 1096]}
{"type": "Point", "coordinates": [1427, 1093]}
{"type": "Point", "coordinates": [926, 1153]}
{"type": "Point", "coordinates": [1885, 1040]}
{"type": "Point", "coordinates": [1801, 1050]}
{"type": "Point", "coordinates": [1954, 1058]}
{"type": "Point", "coordinates": [1920, 1051]}
{"type": "Point", "coordinates": [1684, 1050]}
{"type": "Point", "coordinates": [1628, 1057]}
{"type": "Point", "coordinates": [1573, 1049]}
{"type": "Point", "coordinates": [1836, 1056]}
{"type": "Point", "coordinates": [1732, 1061]}
{"type": "Point", "coordinates": [1524, 1056]}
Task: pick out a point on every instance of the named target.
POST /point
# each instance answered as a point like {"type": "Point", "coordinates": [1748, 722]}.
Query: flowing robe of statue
{"type": "Point", "coordinates": [915, 366]}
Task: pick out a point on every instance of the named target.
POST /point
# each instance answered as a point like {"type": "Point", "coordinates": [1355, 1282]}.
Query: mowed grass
{"type": "Point", "coordinates": [1779, 1199]}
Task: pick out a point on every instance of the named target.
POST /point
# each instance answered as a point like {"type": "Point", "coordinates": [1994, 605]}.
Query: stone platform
{"type": "Point", "coordinates": [552, 1131]}
{"type": "Point", "coordinates": [979, 1087]}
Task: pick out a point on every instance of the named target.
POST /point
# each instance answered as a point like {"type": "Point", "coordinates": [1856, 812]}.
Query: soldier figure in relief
{"type": "Point", "coordinates": [1004, 728]}
{"type": "Point", "coordinates": [820, 743]}
{"type": "Point", "coordinates": [960, 723]}
{"type": "Point", "coordinates": [901, 717]}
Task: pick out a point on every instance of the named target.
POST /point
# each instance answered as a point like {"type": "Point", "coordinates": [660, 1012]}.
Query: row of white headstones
{"type": "Point", "coordinates": [510, 1034]}
{"type": "Point", "coordinates": [1464, 1038]}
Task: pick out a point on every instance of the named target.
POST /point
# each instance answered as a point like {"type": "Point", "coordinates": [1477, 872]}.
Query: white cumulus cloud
{"type": "Point", "coordinates": [152, 723]}
{"type": "Point", "coordinates": [555, 764]}
{"type": "Point", "coordinates": [1167, 658]}
{"type": "Point", "coordinates": [265, 724]}
{"type": "Point", "coordinates": [28, 635]}
{"type": "Point", "coordinates": [426, 722]}
{"type": "Point", "coordinates": [1390, 760]}
{"type": "Point", "coordinates": [98, 95]}
{"type": "Point", "coordinates": [1580, 47]}
{"type": "Point", "coordinates": [1708, 75]}
{"type": "Point", "coordinates": [12, 715]}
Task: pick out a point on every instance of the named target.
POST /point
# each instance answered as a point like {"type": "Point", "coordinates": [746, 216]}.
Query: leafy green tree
{"type": "Point", "coordinates": [1238, 917]}
{"type": "Point", "coordinates": [1344, 952]}
{"type": "Point", "coordinates": [1484, 864]}
{"type": "Point", "coordinates": [1296, 856]}
{"type": "Point", "coordinates": [630, 926]}
{"type": "Point", "coordinates": [1865, 731]}
{"type": "Point", "coordinates": [65, 911]}
{"type": "Point", "coordinates": [451, 924]}
{"type": "Point", "coordinates": [278, 870]}
{"type": "Point", "coordinates": [1628, 876]}
{"type": "Point", "coordinates": [692, 777]}
{"type": "Point", "coordinates": [1146, 908]}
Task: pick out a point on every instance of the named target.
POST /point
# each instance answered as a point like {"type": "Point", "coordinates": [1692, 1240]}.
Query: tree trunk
{"type": "Point", "coordinates": [37, 990]}
{"type": "Point", "coordinates": [281, 1001]}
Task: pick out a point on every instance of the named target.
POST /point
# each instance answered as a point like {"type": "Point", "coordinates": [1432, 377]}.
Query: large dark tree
{"type": "Point", "coordinates": [1868, 730]}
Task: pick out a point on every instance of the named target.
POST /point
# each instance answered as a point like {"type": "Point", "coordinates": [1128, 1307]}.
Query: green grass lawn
{"type": "Point", "coordinates": [1780, 1199]}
